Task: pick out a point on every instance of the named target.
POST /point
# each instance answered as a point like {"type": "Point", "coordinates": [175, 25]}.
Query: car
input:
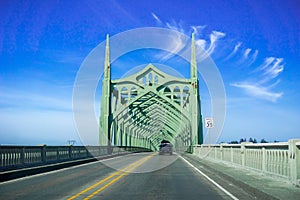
{"type": "Point", "coordinates": [165, 147]}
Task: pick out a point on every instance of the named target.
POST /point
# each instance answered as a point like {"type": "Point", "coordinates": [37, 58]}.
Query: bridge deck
{"type": "Point", "coordinates": [147, 176]}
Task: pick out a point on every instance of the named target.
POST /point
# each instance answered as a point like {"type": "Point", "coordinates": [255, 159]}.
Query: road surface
{"type": "Point", "coordinates": [134, 176]}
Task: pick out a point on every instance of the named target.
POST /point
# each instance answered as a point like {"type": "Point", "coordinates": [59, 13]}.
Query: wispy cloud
{"type": "Point", "coordinates": [201, 43]}
{"type": "Point", "coordinates": [214, 37]}
{"type": "Point", "coordinates": [208, 46]}
{"type": "Point", "coordinates": [259, 84]}
{"type": "Point", "coordinates": [261, 81]}
{"type": "Point", "coordinates": [177, 45]}
{"type": "Point", "coordinates": [175, 26]}
{"type": "Point", "coordinates": [156, 18]}
{"type": "Point", "coordinates": [236, 47]}
{"type": "Point", "coordinates": [197, 30]}
{"type": "Point", "coordinates": [271, 68]}
{"type": "Point", "coordinates": [254, 56]}
{"type": "Point", "coordinates": [241, 55]}
{"type": "Point", "coordinates": [249, 57]}
{"type": "Point", "coordinates": [266, 80]}
{"type": "Point", "coordinates": [246, 53]}
{"type": "Point", "coordinates": [258, 91]}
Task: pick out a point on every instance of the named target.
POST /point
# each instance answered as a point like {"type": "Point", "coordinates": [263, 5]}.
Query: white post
{"type": "Point", "coordinates": [215, 150]}
{"type": "Point", "coordinates": [294, 161]}
{"type": "Point", "coordinates": [231, 154]}
{"type": "Point", "coordinates": [264, 160]}
{"type": "Point", "coordinates": [221, 152]}
{"type": "Point", "coordinates": [243, 152]}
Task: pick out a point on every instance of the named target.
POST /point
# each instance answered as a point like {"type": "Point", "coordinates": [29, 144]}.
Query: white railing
{"type": "Point", "coordinates": [280, 159]}
{"type": "Point", "coordinates": [12, 157]}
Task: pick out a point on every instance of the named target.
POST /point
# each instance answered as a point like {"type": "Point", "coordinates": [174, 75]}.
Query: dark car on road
{"type": "Point", "coordinates": [165, 147]}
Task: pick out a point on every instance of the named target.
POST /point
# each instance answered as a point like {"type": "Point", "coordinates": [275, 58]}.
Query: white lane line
{"type": "Point", "coordinates": [212, 181]}
{"type": "Point", "coordinates": [61, 170]}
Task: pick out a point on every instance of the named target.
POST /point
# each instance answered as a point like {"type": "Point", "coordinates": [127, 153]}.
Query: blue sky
{"type": "Point", "coordinates": [255, 45]}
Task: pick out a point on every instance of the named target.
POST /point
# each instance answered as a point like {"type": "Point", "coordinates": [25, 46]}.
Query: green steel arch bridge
{"type": "Point", "coordinates": [151, 106]}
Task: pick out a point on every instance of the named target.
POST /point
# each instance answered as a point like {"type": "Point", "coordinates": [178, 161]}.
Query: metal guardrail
{"type": "Point", "coordinates": [13, 157]}
{"type": "Point", "coordinates": [274, 159]}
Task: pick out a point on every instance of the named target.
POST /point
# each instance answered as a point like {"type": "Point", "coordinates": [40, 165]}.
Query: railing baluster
{"type": "Point", "coordinates": [276, 159]}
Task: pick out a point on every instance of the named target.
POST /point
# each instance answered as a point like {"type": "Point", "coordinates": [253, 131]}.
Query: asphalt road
{"type": "Point", "coordinates": [134, 176]}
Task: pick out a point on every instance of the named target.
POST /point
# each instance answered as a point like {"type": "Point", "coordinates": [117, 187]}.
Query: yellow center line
{"type": "Point", "coordinates": [118, 178]}
{"type": "Point", "coordinates": [111, 176]}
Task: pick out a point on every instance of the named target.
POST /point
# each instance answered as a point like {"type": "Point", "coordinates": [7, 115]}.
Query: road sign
{"type": "Point", "coordinates": [209, 122]}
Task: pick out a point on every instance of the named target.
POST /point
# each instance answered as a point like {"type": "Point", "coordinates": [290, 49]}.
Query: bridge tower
{"type": "Point", "coordinates": [150, 106]}
{"type": "Point", "coordinates": [196, 117]}
{"type": "Point", "coordinates": [105, 121]}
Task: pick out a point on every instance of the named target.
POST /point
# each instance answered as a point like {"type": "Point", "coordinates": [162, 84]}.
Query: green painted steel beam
{"type": "Point", "coordinates": [150, 106]}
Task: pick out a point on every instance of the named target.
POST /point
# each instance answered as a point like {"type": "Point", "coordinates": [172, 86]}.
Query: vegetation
{"type": "Point", "coordinates": [253, 140]}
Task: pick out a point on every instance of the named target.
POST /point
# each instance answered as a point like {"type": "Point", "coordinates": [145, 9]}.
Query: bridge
{"type": "Point", "coordinates": [150, 106]}
{"type": "Point", "coordinates": [224, 171]}
{"type": "Point", "coordinates": [138, 112]}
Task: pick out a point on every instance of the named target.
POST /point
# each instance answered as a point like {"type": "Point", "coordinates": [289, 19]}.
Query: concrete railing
{"type": "Point", "coordinates": [23, 156]}
{"type": "Point", "coordinates": [275, 159]}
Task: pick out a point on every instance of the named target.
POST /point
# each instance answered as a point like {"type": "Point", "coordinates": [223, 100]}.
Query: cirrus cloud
{"type": "Point", "coordinates": [259, 83]}
{"type": "Point", "coordinates": [208, 46]}
{"type": "Point", "coordinates": [258, 91]}
{"type": "Point", "coordinates": [266, 75]}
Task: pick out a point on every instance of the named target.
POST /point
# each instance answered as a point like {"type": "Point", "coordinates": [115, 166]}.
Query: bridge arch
{"type": "Point", "coordinates": [150, 106]}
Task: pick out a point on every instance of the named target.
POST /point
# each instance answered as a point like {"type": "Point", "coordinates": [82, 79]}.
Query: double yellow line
{"type": "Point", "coordinates": [119, 174]}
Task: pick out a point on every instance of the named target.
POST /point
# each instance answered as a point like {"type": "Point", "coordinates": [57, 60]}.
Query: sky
{"type": "Point", "coordinates": [255, 45]}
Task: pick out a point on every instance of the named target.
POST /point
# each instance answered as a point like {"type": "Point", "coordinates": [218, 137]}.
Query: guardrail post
{"type": "Point", "coordinates": [23, 156]}
{"type": "Point", "coordinates": [70, 152]}
{"type": "Point", "coordinates": [294, 161]}
{"type": "Point", "coordinates": [57, 154]}
{"type": "Point", "coordinates": [43, 153]}
{"type": "Point", "coordinates": [231, 154]}
{"type": "Point", "coordinates": [221, 152]}
{"type": "Point", "coordinates": [1, 157]}
{"type": "Point", "coordinates": [264, 160]}
{"type": "Point", "coordinates": [243, 152]}
{"type": "Point", "coordinates": [215, 152]}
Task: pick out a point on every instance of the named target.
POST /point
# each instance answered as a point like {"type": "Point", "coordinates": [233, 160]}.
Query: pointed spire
{"type": "Point", "coordinates": [193, 58]}
{"type": "Point", "coordinates": [107, 59]}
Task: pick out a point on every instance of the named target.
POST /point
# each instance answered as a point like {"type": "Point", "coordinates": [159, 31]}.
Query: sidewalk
{"type": "Point", "coordinates": [252, 184]}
